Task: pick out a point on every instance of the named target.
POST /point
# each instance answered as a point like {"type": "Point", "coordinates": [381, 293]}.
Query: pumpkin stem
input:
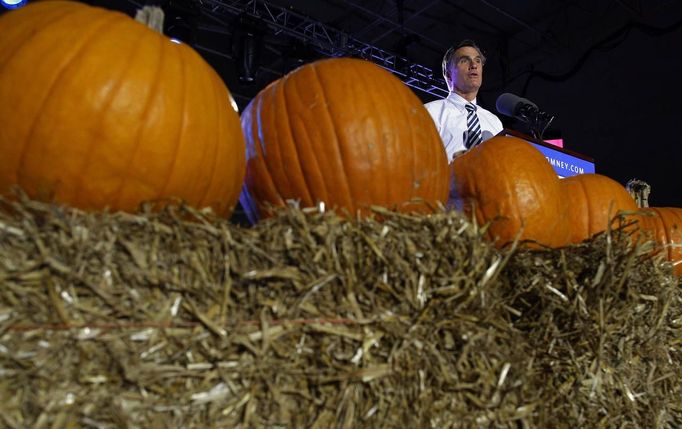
{"type": "Point", "coordinates": [639, 190]}
{"type": "Point", "coordinates": [152, 17]}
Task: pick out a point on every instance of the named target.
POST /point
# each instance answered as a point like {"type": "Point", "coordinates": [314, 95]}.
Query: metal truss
{"type": "Point", "coordinates": [327, 40]}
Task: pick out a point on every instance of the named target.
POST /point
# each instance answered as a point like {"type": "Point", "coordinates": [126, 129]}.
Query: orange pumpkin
{"type": "Point", "coordinates": [593, 201]}
{"type": "Point", "coordinates": [664, 225]}
{"type": "Point", "coordinates": [508, 181]}
{"type": "Point", "coordinates": [344, 132]}
{"type": "Point", "coordinates": [98, 111]}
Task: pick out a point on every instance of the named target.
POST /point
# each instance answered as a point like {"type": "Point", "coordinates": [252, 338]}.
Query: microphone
{"type": "Point", "coordinates": [525, 110]}
{"type": "Point", "coordinates": [486, 135]}
{"type": "Point", "coordinates": [516, 107]}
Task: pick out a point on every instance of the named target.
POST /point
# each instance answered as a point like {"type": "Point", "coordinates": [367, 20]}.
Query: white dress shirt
{"type": "Point", "coordinates": [450, 117]}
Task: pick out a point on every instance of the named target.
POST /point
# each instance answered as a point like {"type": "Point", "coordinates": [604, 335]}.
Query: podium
{"type": "Point", "coordinates": [565, 162]}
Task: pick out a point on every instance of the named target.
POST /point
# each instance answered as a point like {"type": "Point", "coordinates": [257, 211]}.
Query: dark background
{"type": "Point", "coordinates": [609, 70]}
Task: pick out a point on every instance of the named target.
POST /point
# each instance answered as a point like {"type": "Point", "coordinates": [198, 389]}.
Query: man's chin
{"type": "Point", "coordinates": [469, 89]}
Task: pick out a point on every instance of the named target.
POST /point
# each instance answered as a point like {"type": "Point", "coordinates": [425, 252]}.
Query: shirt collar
{"type": "Point", "coordinates": [458, 100]}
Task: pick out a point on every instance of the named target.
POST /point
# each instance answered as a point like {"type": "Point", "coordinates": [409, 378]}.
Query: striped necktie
{"type": "Point", "coordinates": [473, 136]}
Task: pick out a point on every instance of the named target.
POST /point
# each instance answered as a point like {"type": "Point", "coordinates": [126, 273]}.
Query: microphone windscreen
{"type": "Point", "coordinates": [508, 104]}
{"type": "Point", "coordinates": [486, 135]}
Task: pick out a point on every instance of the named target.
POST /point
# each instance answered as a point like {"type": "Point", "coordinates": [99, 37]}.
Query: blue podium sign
{"type": "Point", "coordinates": [565, 163]}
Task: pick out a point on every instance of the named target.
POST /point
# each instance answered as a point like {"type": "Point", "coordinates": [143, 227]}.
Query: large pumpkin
{"type": "Point", "coordinates": [664, 226]}
{"type": "Point", "coordinates": [508, 182]}
{"type": "Point", "coordinates": [344, 132]}
{"type": "Point", "coordinates": [593, 201]}
{"type": "Point", "coordinates": [97, 110]}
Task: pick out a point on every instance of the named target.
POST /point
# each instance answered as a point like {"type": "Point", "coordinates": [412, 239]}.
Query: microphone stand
{"type": "Point", "coordinates": [537, 120]}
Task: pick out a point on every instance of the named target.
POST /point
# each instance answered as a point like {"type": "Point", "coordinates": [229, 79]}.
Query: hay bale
{"type": "Point", "coordinates": [179, 319]}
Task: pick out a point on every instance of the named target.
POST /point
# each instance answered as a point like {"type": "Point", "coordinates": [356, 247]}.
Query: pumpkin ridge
{"type": "Point", "coordinates": [20, 169]}
{"type": "Point", "coordinates": [223, 152]}
{"type": "Point", "coordinates": [389, 191]}
{"type": "Point", "coordinates": [576, 193]}
{"type": "Point", "coordinates": [298, 165]}
{"type": "Point", "coordinates": [261, 146]}
{"type": "Point", "coordinates": [323, 183]}
{"type": "Point", "coordinates": [587, 210]}
{"type": "Point", "coordinates": [346, 184]}
{"type": "Point", "coordinates": [414, 192]}
{"type": "Point", "coordinates": [216, 146]}
{"type": "Point", "coordinates": [93, 143]}
{"type": "Point", "coordinates": [118, 194]}
{"type": "Point", "coordinates": [227, 159]}
{"type": "Point", "coordinates": [276, 162]}
{"type": "Point", "coordinates": [434, 154]}
{"type": "Point", "coordinates": [282, 184]}
{"type": "Point", "coordinates": [255, 154]}
{"type": "Point", "coordinates": [376, 196]}
{"type": "Point", "coordinates": [590, 209]}
{"type": "Point", "coordinates": [676, 239]}
{"type": "Point", "coordinates": [381, 196]}
{"type": "Point", "coordinates": [17, 47]}
{"type": "Point", "coordinates": [509, 193]}
{"type": "Point", "coordinates": [650, 226]}
{"type": "Point", "coordinates": [668, 238]}
{"type": "Point", "coordinates": [438, 151]}
{"type": "Point", "coordinates": [180, 134]}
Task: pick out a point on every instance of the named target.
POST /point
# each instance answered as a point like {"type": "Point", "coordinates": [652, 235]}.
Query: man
{"type": "Point", "coordinates": [461, 123]}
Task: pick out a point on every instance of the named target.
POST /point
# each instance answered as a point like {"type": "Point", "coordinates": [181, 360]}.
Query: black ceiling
{"type": "Point", "coordinates": [519, 37]}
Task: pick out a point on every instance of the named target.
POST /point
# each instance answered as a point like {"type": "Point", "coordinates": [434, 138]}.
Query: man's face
{"type": "Point", "coordinates": [466, 74]}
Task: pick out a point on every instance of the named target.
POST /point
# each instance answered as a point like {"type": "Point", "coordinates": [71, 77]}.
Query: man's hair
{"type": "Point", "coordinates": [449, 56]}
